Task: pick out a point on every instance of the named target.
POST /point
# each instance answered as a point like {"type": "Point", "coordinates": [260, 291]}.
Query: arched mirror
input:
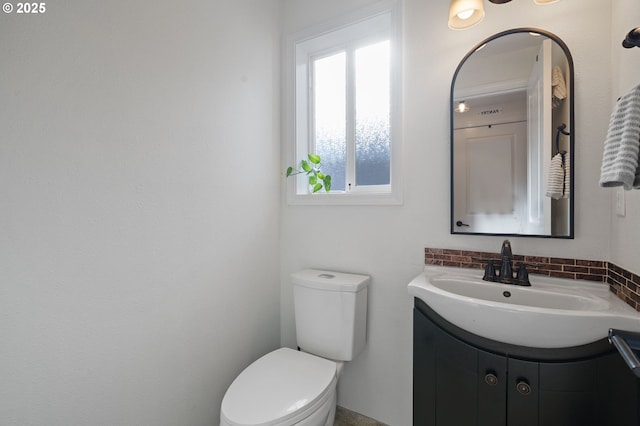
{"type": "Point", "coordinates": [512, 137]}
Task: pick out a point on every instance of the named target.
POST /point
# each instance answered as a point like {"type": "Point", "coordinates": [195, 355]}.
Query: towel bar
{"type": "Point", "coordinates": [628, 344]}
{"type": "Point", "coordinates": [561, 129]}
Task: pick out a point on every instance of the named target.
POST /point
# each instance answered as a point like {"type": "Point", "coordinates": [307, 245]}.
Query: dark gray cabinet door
{"type": "Point", "coordinates": [523, 390]}
{"type": "Point", "coordinates": [456, 382]}
{"type": "Point", "coordinates": [424, 370]}
{"type": "Point", "coordinates": [568, 394]}
{"type": "Point", "coordinates": [492, 388]}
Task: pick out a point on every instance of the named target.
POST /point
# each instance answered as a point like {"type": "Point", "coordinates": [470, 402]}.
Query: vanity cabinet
{"type": "Point", "coordinates": [462, 379]}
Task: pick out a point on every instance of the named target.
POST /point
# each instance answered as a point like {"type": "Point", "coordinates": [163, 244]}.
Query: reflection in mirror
{"type": "Point", "coordinates": [511, 137]}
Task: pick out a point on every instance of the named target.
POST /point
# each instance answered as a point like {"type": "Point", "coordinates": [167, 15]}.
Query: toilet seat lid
{"type": "Point", "coordinates": [276, 387]}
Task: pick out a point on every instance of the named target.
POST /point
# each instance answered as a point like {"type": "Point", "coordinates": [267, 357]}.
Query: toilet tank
{"type": "Point", "coordinates": [330, 312]}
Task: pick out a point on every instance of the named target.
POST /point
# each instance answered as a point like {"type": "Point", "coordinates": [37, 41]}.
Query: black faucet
{"type": "Point", "coordinates": [504, 273]}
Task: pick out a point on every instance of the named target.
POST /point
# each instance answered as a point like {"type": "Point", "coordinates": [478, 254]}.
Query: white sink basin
{"type": "Point", "coordinates": [552, 313]}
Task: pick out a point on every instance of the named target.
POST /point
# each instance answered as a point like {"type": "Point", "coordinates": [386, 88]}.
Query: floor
{"type": "Point", "coordinates": [346, 417]}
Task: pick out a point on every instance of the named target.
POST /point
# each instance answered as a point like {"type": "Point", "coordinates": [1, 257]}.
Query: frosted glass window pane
{"type": "Point", "coordinates": [373, 150]}
{"type": "Point", "coordinates": [330, 116]}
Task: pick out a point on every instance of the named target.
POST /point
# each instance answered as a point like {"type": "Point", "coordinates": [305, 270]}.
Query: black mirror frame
{"type": "Point", "coordinates": [566, 51]}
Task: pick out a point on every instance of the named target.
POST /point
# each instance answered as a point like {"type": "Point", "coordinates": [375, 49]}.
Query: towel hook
{"type": "Point", "coordinates": [561, 129]}
{"type": "Point", "coordinates": [632, 39]}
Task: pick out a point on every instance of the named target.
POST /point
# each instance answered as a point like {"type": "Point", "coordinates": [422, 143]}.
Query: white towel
{"type": "Point", "coordinates": [559, 87]}
{"type": "Point", "coordinates": [622, 145]}
{"type": "Point", "coordinates": [555, 178]}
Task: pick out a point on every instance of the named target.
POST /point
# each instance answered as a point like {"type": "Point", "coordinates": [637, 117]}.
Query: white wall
{"type": "Point", "coordinates": [388, 242]}
{"type": "Point", "coordinates": [625, 64]}
{"type": "Point", "coordinates": [138, 250]}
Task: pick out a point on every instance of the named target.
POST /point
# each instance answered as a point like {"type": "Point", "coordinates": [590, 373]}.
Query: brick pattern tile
{"type": "Point", "coordinates": [625, 284]}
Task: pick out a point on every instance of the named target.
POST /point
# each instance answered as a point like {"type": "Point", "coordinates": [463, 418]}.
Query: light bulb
{"type": "Point", "coordinates": [462, 107]}
{"type": "Point", "coordinates": [465, 14]}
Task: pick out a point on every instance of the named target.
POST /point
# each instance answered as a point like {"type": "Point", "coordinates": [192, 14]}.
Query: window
{"type": "Point", "coordinates": [346, 111]}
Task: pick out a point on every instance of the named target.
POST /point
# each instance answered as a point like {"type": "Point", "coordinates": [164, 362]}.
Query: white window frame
{"type": "Point", "coordinates": [328, 38]}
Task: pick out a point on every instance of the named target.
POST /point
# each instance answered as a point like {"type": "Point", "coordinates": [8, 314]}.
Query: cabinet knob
{"type": "Point", "coordinates": [491, 379]}
{"type": "Point", "coordinates": [523, 387]}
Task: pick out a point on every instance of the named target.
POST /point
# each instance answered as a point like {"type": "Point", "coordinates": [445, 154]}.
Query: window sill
{"type": "Point", "coordinates": [345, 199]}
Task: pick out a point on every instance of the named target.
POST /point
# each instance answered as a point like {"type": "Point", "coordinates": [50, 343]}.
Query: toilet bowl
{"type": "Point", "coordinates": [288, 387]}
{"type": "Point", "coordinates": [285, 387]}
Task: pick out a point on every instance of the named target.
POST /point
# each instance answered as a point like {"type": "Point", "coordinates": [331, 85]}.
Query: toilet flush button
{"type": "Point", "coordinates": [328, 276]}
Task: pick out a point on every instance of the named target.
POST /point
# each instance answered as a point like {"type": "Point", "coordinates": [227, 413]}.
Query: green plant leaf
{"type": "Point", "coordinates": [314, 158]}
{"type": "Point", "coordinates": [317, 179]}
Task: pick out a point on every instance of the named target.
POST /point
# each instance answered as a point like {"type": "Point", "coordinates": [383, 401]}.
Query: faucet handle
{"type": "Point", "coordinates": [523, 275]}
{"type": "Point", "coordinates": [489, 271]}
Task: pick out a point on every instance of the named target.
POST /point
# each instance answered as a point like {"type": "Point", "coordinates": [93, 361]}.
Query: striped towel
{"type": "Point", "coordinates": [622, 145]}
{"type": "Point", "coordinates": [567, 177]}
{"type": "Point", "coordinates": [559, 88]}
{"type": "Point", "coordinates": [556, 177]}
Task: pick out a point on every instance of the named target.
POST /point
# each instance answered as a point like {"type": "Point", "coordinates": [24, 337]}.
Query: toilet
{"type": "Point", "coordinates": [298, 387]}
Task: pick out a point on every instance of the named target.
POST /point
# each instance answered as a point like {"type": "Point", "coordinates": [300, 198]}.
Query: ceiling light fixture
{"type": "Point", "coordinates": [462, 107]}
{"type": "Point", "coordinates": [465, 14]}
{"type": "Point", "coordinates": [632, 39]}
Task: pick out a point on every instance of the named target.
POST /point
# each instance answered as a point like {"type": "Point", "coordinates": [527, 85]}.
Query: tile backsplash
{"type": "Point", "coordinates": [625, 284]}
